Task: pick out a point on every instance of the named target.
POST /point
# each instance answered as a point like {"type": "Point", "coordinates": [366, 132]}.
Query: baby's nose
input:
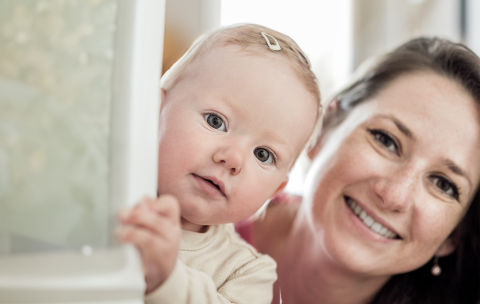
{"type": "Point", "coordinates": [232, 157]}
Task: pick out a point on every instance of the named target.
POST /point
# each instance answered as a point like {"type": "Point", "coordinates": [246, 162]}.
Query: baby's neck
{"type": "Point", "coordinates": [189, 226]}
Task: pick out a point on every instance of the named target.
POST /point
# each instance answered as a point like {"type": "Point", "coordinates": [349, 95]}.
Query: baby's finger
{"type": "Point", "coordinates": [149, 244]}
{"type": "Point", "coordinates": [153, 221]}
{"type": "Point", "coordinates": [124, 214]}
{"type": "Point", "coordinates": [129, 215]}
{"type": "Point", "coordinates": [144, 203]}
{"type": "Point", "coordinates": [168, 206]}
{"type": "Point", "coordinates": [135, 235]}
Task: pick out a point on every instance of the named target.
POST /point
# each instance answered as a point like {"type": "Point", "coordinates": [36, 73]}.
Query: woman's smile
{"type": "Point", "coordinates": [391, 202]}
{"type": "Point", "coordinates": [382, 180]}
{"type": "Point", "coordinates": [368, 220]}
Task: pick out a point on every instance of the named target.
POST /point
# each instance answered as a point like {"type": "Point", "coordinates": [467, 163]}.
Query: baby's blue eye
{"type": "Point", "coordinates": [215, 122]}
{"type": "Point", "coordinates": [264, 156]}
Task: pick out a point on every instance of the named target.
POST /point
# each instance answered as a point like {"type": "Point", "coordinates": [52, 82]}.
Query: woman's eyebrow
{"type": "Point", "coordinates": [456, 169]}
{"type": "Point", "coordinates": [400, 125]}
{"type": "Point", "coordinates": [403, 128]}
{"type": "Point", "coordinates": [450, 164]}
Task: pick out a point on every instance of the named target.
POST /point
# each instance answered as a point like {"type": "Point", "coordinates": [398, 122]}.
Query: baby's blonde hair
{"type": "Point", "coordinates": [249, 39]}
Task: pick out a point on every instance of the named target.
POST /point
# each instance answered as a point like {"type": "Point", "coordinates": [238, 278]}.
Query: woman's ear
{"type": "Point", "coordinates": [332, 107]}
{"type": "Point", "coordinates": [446, 248]}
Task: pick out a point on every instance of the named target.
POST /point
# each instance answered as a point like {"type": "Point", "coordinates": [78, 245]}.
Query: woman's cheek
{"type": "Point", "coordinates": [433, 220]}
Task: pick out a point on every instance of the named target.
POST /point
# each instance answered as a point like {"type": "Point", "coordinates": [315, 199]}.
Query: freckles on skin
{"type": "Point", "coordinates": [396, 186]}
{"type": "Point", "coordinates": [431, 236]}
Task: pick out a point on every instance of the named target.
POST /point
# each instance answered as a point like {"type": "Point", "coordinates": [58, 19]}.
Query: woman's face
{"type": "Point", "coordinates": [393, 180]}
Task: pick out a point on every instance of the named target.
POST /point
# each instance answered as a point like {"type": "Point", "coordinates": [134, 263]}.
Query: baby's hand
{"type": "Point", "coordinates": [153, 226]}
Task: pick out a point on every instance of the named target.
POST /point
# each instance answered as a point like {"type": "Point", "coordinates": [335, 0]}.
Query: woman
{"type": "Point", "coordinates": [391, 206]}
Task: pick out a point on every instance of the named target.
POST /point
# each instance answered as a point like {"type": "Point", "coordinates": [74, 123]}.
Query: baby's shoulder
{"type": "Point", "coordinates": [240, 250]}
{"type": "Point", "coordinates": [247, 256]}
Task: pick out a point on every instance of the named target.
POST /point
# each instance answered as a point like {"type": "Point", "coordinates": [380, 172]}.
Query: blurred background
{"type": "Point", "coordinates": [58, 63]}
{"type": "Point", "coordinates": [66, 88]}
{"type": "Point", "coordinates": [337, 35]}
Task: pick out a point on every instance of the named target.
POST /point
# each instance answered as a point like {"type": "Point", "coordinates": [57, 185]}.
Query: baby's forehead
{"type": "Point", "coordinates": [272, 106]}
{"type": "Point", "coordinates": [257, 92]}
{"type": "Point", "coordinates": [233, 53]}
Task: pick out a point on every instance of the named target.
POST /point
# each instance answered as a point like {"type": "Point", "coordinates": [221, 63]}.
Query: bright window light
{"type": "Point", "coordinates": [322, 28]}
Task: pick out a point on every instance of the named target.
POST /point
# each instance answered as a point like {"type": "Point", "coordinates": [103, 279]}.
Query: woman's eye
{"type": "Point", "coordinates": [264, 155]}
{"type": "Point", "coordinates": [385, 140]}
{"type": "Point", "coordinates": [215, 122]}
{"type": "Point", "coordinates": [445, 186]}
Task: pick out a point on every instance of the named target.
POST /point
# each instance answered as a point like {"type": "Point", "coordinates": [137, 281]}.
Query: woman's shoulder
{"type": "Point", "coordinates": [285, 199]}
{"type": "Point", "coordinates": [272, 226]}
{"type": "Point", "coordinates": [278, 214]}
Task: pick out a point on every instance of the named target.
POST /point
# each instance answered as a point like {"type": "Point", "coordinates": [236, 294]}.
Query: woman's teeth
{"type": "Point", "coordinates": [368, 221]}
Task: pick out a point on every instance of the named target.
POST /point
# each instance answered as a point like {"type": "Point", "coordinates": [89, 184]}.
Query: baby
{"type": "Point", "coordinates": [236, 111]}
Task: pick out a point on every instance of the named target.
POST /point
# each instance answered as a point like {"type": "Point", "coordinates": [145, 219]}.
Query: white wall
{"type": "Point", "coordinates": [185, 21]}
{"type": "Point", "coordinates": [381, 25]}
{"type": "Point", "coordinates": [322, 28]}
{"type": "Point", "coordinates": [473, 25]}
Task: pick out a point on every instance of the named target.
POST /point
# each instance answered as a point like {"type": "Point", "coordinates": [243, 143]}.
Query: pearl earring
{"type": "Point", "coordinates": [436, 270]}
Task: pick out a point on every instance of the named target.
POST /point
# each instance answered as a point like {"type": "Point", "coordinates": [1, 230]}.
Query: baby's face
{"type": "Point", "coordinates": [229, 133]}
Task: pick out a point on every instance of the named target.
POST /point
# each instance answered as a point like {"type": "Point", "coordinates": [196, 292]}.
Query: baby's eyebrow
{"type": "Point", "coordinates": [281, 147]}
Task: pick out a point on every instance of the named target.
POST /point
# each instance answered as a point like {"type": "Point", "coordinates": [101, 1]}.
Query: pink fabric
{"type": "Point", "coordinates": [245, 229]}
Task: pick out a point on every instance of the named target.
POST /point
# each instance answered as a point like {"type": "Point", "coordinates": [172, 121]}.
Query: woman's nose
{"type": "Point", "coordinates": [231, 157]}
{"type": "Point", "coordinates": [396, 190]}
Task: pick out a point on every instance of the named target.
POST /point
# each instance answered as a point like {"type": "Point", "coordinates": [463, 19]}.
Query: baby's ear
{"type": "Point", "coordinates": [163, 94]}
{"type": "Point", "coordinates": [281, 187]}
{"type": "Point", "coordinates": [313, 151]}
{"type": "Point", "coordinates": [330, 111]}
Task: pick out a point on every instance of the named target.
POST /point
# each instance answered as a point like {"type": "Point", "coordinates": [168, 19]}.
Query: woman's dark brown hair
{"type": "Point", "coordinates": [459, 281]}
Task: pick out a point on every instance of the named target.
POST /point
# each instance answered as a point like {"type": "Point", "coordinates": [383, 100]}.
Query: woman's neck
{"type": "Point", "coordinates": [306, 274]}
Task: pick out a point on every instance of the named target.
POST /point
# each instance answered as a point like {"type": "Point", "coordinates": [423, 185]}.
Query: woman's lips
{"type": "Point", "coordinates": [209, 187]}
{"type": "Point", "coordinates": [368, 221]}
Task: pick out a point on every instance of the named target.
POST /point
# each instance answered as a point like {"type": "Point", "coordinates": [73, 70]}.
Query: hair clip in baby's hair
{"type": "Point", "coordinates": [273, 47]}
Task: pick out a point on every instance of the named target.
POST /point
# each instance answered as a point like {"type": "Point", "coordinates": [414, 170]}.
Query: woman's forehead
{"type": "Point", "coordinates": [431, 101]}
{"type": "Point", "coordinates": [439, 114]}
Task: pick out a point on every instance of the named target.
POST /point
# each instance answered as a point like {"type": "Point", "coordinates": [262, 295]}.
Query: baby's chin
{"type": "Point", "coordinates": [198, 222]}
